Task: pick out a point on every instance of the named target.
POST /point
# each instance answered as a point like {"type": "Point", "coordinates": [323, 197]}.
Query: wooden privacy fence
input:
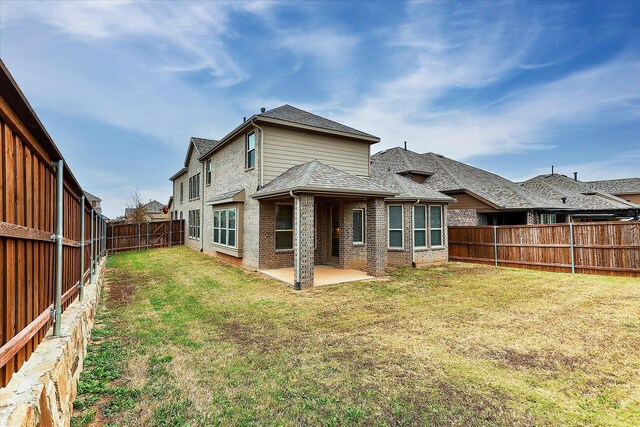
{"type": "Point", "coordinates": [608, 248]}
{"type": "Point", "coordinates": [144, 235]}
{"type": "Point", "coordinates": [50, 238]}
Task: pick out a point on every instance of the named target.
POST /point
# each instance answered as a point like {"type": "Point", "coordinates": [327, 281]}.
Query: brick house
{"type": "Point", "coordinates": [287, 188]}
{"type": "Point", "coordinates": [484, 198]}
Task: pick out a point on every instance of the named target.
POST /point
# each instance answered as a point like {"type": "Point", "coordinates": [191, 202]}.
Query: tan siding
{"type": "Point", "coordinates": [465, 201]}
{"type": "Point", "coordinates": [635, 198]}
{"type": "Point", "coordinates": [284, 148]}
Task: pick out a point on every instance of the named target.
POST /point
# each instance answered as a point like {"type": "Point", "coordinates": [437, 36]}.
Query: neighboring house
{"type": "Point", "coordinates": [485, 198]}
{"type": "Point", "coordinates": [627, 188]}
{"type": "Point", "coordinates": [94, 200]}
{"type": "Point", "coordinates": [583, 202]}
{"type": "Point", "coordinates": [287, 188]}
{"type": "Point", "coordinates": [154, 211]}
{"type": "Point", "coordinates": [481, 197]}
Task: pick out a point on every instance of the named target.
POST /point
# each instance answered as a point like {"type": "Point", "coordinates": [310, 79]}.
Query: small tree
{"type": "Point", "coordinates": [137, 209]}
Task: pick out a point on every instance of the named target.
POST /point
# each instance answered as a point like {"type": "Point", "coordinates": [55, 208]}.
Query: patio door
{"type": "Point", "coordinates": [333, 248]}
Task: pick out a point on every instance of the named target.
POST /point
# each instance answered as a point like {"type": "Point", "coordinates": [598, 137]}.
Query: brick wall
{"type": "Point", "coordinates": [402, 257]}
{"type": "Point", "coordinates": [306, 227]}
{"type": "Point", "coordinates": [270, 258]}
{"type": "Point", "coordinates": [458, 217]}
{"type": "Point", "coordinates": [376, 236]}
{"type": "Point", "coordinates": [351, 255]}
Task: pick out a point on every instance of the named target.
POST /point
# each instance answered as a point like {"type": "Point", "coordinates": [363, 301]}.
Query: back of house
{"type": "Point", "coordinates": [243, 195]}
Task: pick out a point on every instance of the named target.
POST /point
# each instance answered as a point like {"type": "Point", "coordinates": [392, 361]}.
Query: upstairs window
{"type": "Point", "coordinates": [194, 187]}
{"type": "Point", "coordinates": [284, 227]}
{"type": "Point", "coordinates": [396, 240]}
{"type": "Point", "coordinates": [251, 150]}
{"type": "Point", "coordinates": [420, 226]}
{"type": "Point", "coordinates": [358, 226]}
{"type": "Point", "coordinates": [181, 192]}
{"type": "Point", "coordinates": [436, 225]}
{"type": "Point", "coordinates": [209, 170]}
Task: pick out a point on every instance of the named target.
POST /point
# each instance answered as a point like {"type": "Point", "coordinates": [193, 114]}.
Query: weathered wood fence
{"type": "Point", "coordinates": [39, 256]}
{"type": "Point", "coordinates": [144, 235]}
{"type": "Point", "coordinates": [607, 248]}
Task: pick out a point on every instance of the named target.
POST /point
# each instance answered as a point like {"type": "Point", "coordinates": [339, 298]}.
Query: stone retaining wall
{"type": "Point", "coordinates": [42, 392]}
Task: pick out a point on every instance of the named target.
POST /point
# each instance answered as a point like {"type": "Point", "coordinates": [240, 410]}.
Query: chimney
{"type": "Point", "coordinates": [262, 110]}
{"type": "Point", "coordinates": [405, 146]}
{"type": "Point", "coordinates": [575, 176]}
{"type": "Point", "coordinates": [551, 169]}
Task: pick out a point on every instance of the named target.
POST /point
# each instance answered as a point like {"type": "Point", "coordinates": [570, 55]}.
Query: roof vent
{"type": "Point", "coordinates": [244, 119]}
{"type": "Point", "coordinates": [564, 200]}
{"type": "Point", "coordinates": [262, 110]}
{"type": "Point", "coordinates": [575, 176]}
{"type": "Point", "coordinates": [551, 169]}
{"type": "Point", "coordinates": [405, 146]}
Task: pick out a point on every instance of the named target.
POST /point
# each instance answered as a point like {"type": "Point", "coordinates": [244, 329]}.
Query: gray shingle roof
{"type": "Point", "coordinates": [203, 145]}
{"type": "Point", "coordinates": [617, 186]}
{"type": "Point", "coordinates": [295, 115]}
{"type": "Point", "coordinates": [154, 206]}
{"type": "Point", "coordinates": [449, 175]}
{"type": "Point", "coordinates": [579, 195]}
{"type": "Point", "coordinates": [408, 189]}
{"type": "Point", "coordinates": [91, 197]}
{"type": "Point", "coordinates": [316, 177]}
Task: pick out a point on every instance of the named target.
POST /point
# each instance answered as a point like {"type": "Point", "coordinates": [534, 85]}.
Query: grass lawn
{"type": "Point", "coordinates": [184, 339]}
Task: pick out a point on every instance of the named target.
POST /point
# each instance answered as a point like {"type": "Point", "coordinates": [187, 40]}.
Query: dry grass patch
{"type": "Point", "coordinates": [455, 344]}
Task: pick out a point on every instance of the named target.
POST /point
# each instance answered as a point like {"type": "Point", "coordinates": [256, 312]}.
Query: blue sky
{"type": "Point", "coordinates": [509, 87]}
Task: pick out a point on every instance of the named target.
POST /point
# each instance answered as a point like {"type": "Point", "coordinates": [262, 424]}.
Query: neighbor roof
{"type": "Point", "coordinates": [91, 197]}
{"type": "Point", "coordinates": [450, 175]}
{"type": "Point", "coordinates": [316, 177]}
{"type": "Point", "coordinates": [202, 145]}
{"type": "Point", "coordinates": [408, 189]}
{"type": "Point", "coordinates": [579, 195]}
{"type": "Point", "coordinates": [617, 186]}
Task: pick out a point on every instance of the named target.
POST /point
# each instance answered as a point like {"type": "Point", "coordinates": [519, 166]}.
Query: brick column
{"type": "Point", "coordinates": [305, 251]}
{"type": "Point", "coordinates": [376, 239]}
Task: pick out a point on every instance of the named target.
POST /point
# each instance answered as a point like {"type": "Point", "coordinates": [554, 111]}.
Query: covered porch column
{"type": "Point", "coordinates": [303, 240]}
{"type": "Point", "coordinates": [376, 239]}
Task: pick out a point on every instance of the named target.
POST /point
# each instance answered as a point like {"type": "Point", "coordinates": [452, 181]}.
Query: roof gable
{"type": "Point", "coordinates": [201, 146]}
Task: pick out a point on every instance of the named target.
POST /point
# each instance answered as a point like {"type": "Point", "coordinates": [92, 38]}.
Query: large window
{"type": "Point", "coordinates": [436, 225]}
{"type": "Point", "coordinates": [358, 226]}
{"type": "Point", "coordinates": [194, 224]}
{"type": "Point", "coordinates": [420, 226]}
{"type": "Point", "coordinates": [209, 169]}
{"type": "Point", "coordinates": [284, 227]}
{"type": "Point", "coordinates": [251, 150]}
{"type": "Point", "coordinates": [224, 227]}
{"type": "Point", "coordinates": [395, 227]}
{"type": "Point", "coordinates": [194, 187]}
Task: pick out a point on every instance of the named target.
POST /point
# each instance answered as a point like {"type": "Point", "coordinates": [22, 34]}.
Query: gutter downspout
{"type": "Point", "coordinates": [296, 283]}
{"type": "Point", "coordinates": [204, 176]}
{"type": "Point", "coordinates": [413, 234]}
{"type": "Point", "coordinates": [261, 173]}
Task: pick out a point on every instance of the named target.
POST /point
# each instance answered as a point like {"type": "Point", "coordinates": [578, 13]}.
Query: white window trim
{"type": "Point", "coordinates": [361, 242]}
{"type": "Point", "coordinates": [293, 222]}
{"type": "Point", "coordinates": [246, 151]}
{"type": "Point", "coordinates": [194, 187]}
{"type": "Point", "coordinates": [181, 192]}
{"type": "Point", "coordinates": [426, 224]}
{"type": "Point", "coordinates": [395, 229]}
{"type": "Point", "coordinates": [441, 227]}
{"type": "Point", "coordinates": [209, 173]}
{"type": "Point", "coordinates": [235, 229]}
{"type": "Point", "coordinates": [549, 219]}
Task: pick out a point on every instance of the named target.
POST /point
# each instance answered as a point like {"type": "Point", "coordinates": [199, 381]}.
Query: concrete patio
{"type": "Point", "coordinates": [323, 275]}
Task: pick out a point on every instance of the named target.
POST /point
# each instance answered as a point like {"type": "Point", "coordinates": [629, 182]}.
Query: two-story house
{"type": "Point", "coordinates": [287, 188]}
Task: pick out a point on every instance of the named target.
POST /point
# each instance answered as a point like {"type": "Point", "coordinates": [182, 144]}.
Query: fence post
{"type": "Point", "coordinates": [495, 244]}
{"type": "Point", "coordinates": [147, 235]}
{"type": "Point", "coordinates": [59, 232]}
{"type": "Point", "coordinates": [91, 250]}
{"type": "Point", "coordinates": [571, 245]}
{"type": "Point", "coordinates": [170, 230]}
{"type": "Point", "coordinates": [81, 283]}
{"type": "Point", "coordinates": [138, 236]}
